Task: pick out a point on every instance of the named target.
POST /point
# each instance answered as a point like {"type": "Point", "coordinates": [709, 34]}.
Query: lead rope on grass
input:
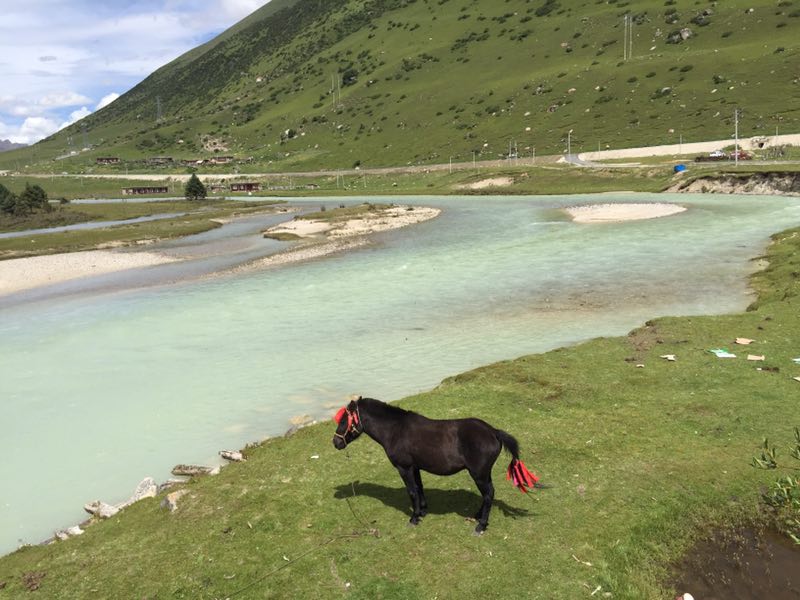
{"type": "Point", "coordinates": [367, 531]}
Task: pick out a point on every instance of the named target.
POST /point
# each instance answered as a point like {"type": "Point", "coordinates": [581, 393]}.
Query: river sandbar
{"type": "Point", "coordinates": [322, 238]}
{"type": "Point", "coordinates": [18, 274]}
{"type": "Point", "coordinates": [614, 213]}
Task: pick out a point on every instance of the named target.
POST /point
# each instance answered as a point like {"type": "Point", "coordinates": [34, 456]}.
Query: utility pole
{"type": "Point", "coordinates": [736, 136]}
{"type": "Point", "coordinates": [625, 37]}
{"type": "Point", "coordinates": [569, 143]}
{"type": "Point", "coordinates": [630, 38]}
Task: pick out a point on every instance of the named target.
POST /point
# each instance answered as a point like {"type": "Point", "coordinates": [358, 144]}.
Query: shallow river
{"type": "Point", "coordinates": [107, 384]}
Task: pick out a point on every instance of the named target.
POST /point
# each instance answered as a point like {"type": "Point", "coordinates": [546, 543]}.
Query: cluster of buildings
{"type": "Point", "coordinates": [162, 161]}
{"type": "Point", "coordinates": [148, 190]}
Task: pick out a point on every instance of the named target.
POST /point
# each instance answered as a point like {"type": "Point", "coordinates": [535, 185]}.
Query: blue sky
{"type": "Point", "coordinates": [61, 60]}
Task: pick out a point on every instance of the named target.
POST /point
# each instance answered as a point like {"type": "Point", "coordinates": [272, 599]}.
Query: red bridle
{"type": "Point", "coordinates": [353, 421]}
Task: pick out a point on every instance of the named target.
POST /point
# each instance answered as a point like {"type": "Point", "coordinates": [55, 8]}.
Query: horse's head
{"type": "Point", "coordinates": [348, 425]}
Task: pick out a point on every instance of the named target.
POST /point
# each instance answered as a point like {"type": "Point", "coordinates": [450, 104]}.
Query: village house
{"type": "Point", "coordinates": [246, 187]}
{"type": "Point", "coordinates": [138, 191]}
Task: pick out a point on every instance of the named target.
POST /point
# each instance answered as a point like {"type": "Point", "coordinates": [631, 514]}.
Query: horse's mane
{"type": "Point", "coordinates": [379, 408]}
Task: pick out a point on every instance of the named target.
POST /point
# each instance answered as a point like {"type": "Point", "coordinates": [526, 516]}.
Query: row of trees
{"type": "Point", "coordinates": [32, 199]}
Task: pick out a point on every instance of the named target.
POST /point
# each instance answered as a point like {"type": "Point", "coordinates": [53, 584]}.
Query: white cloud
{"type": "Point", "coordinates": [34, 129]}
{"type": "Point", "coordinates": [59, 99]}
{"type": "Point", "coordinates": [106, 100]}
{"type": "Point", "coordinates": [75, 115]}
{"type": "Point", "coordinates": [61, 54]}
{"type": "Point", "coordinates": [239, 9]}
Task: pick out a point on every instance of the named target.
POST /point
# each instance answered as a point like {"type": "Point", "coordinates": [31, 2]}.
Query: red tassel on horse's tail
{"type": "Point", "coordinates": [520, 476]}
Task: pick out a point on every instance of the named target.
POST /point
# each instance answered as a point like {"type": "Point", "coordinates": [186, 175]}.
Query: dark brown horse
{"type": "Point", "coordinates": [443, 447]}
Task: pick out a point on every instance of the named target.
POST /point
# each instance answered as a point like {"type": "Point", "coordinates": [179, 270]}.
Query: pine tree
{"type": "Point", "coordinates": [195, 190]}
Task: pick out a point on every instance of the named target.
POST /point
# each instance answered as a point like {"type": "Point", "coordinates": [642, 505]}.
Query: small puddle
{"type": "Point", "coordinates": [741, 565]}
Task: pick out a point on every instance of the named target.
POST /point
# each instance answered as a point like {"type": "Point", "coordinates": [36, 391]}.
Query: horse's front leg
{"type": "Point", "coordinates": [407, 473]}
{"type": "Point", "coordinates": [423, 503]}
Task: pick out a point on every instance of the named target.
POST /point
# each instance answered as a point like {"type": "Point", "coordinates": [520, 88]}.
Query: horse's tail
{"type": "Point", "coordinates": [517, 472]}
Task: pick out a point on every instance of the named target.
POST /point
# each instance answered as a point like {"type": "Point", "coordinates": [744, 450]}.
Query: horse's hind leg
{"type": "Point", "coordinates": [423, 503]}
{"type": "Point", "coordinates": [487, 493]}
{"type": "Point", "coordinates": [407, 473]}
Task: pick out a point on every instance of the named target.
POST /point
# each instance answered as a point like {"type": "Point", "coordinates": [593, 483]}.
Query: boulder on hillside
{"type": "Point", "coordinates": [100, 509]}
{"type": "Point", "coordinates": [194, 470]}
{"type": "Point", "coordinates": [232, 455]}
{"type": "Point", "coordinates": [170, 501]}
{"type": "Point", "coordinates": [147, 488]}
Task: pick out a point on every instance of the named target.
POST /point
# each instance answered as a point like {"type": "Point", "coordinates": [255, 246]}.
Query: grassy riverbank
{"type": "Point", "coordinates": [641, 462]}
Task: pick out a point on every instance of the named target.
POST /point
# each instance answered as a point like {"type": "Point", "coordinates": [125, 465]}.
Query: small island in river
{"type": "Point", "coordinates": [320, 234]}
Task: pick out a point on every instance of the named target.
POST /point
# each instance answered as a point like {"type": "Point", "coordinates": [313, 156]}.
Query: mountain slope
{"type": "Point", "coordinates": [304, 84]}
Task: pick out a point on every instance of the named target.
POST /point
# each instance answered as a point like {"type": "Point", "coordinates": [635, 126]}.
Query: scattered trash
{"type": "Point", "coordinates": [744, 341]}
{"type": "Point", "coordinates": [583, 562]}
{"type": "Point", "coordinates": [722, 353]}
{"type": "Point", "coordinates": [315, 456]}
{"type": "Point", "coordinates": [796, 378]}
{"type": "Point", "coordinates": [754, 357]}
{"type": "Point", "coordinates": [670, 357]}
{"type": "Point", "coordinates": [640, 366]}
{"type": "Point", "coordinates": [796, 360]}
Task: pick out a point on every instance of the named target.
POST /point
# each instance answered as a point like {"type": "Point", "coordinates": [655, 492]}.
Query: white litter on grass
{"type": "Point", "coordinates": [754, 357]}
{"type": "Point", "coordinates": [722, 353]}
{"type": "Point", "coordinates": [315, 456]}
{"type": "Point", "coordinates": [796, 360]}
{"type": "Point", "coordinates": [744, 341]}
{"type": "Point", "coordinates": [670, 357]}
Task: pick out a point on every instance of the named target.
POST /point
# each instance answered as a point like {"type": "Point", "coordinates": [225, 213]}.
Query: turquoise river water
{"type": "Point", "coordinates": [103, 388]}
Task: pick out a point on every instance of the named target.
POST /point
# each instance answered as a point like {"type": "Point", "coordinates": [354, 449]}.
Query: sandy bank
{"type": "Point", "coordinates": [384, 219]}
{"type": "Point", "coordinates": [487, 183]}
{"type": "Point", "coordinates": [610, 213]}
{"type": "Point", "coordinates": [322, 237]}
{"type": "Point", "coordinates": [18, 274]}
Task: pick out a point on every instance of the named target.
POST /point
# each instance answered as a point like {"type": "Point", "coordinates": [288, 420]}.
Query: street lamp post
{"type": "Point", "coordinates": [569, 144]}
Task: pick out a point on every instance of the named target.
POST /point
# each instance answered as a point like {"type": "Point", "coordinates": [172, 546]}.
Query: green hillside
{"type": "Point", "coordinates": [306, 84]}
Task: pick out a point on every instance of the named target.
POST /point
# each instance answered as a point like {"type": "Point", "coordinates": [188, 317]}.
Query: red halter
{"type": "Point", "coordinates": [353, 421]}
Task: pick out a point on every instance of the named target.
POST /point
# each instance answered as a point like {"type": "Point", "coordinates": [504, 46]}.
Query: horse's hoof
{"type": "Point", "coordinates": [478, 532]}
{"type": "Point", "coordinates": [479, 529]}
{"type": "Point", "coordinates": [413, 522]}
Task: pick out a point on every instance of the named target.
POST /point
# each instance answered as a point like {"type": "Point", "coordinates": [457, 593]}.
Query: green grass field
{"type": "Point", "coordinates": [642, 462]}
